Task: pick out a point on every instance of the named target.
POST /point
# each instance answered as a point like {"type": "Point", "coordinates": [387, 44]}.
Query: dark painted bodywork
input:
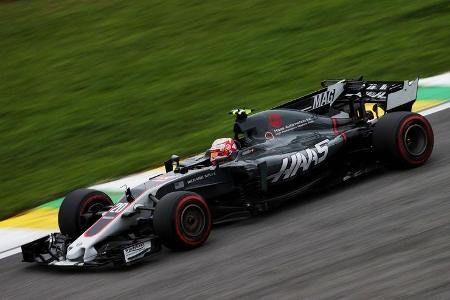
{"type": "Point", "coordinates": [282, 152]}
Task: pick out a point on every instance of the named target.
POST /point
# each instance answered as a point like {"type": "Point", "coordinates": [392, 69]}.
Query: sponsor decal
{"type": "Point", "coordinates": [301, 160]}
{"type": "Point", "coordinates": [376, 95]}
{"type": "Point", "coordinates": [373, 91]}
{"type": "Point", "coordinates": [136, 251]}
{"type": "Point", "coordinates": [323, 98]}
{"type": "Point", "coordinates": [275, 120]}
{"type": "Point", "coordinates": [201, 177]}
{"type": "Point", "coordinates": [292, 126]}
{"type": "Point", "coordinates": [383, 87]}
{"type": "Point", "coordinates": [268, 135]}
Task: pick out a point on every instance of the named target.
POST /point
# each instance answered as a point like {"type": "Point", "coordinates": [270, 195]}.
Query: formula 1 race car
{"type": "Point", "coordinates": [325, 137]}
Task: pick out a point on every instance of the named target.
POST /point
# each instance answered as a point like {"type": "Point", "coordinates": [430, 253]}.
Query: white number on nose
{"type": "Point", "coordinates": [118, 207]}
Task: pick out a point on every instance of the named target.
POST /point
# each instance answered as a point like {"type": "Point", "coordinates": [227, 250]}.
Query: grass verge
{"type": "Point", "coordinates": [91, 90]}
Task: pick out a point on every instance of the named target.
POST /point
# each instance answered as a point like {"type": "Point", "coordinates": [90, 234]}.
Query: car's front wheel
{"type": "Point", "coordinates": [80, 209]}
{"type": "Point", "coordinates": [182, 220]}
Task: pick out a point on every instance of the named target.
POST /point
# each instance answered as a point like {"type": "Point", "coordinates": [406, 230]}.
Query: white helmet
{"type": "Point", "coordinates": [222, 148]}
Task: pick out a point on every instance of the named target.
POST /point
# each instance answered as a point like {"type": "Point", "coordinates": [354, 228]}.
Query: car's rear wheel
{"type": "Point", "coordinates": [80, 209]}
{"type": "Point", "coordinates": [403, 138]}
{"type": "Point", "coordinates": [182, 220]}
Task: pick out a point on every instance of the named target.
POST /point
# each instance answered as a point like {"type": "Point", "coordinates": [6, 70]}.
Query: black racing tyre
{"type": "Point", "coordinates": [404, 139]}
{"type": "Point", "coordinates": [182, 220]}
{"type": "Point", "coordinates": [79, 209]}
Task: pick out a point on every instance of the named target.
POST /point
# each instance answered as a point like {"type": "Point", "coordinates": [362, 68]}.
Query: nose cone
{"type": "Point", "coordinates": [79, 250]}
{"type": "Point", "coordinates": [75, 252]}
{"type": "Point", "coordinates": [90, 254]}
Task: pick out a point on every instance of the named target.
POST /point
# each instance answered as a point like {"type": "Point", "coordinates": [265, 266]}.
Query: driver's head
{"type": "Point", "coordinates": [222, 148]}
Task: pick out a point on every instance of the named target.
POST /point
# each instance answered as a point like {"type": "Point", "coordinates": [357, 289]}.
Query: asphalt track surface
{"type": "Point", "coordinates": [385, 236]}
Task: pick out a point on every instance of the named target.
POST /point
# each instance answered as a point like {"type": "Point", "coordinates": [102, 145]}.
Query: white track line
{"type": "Point", "coordinates": [11, 237]}
{"type": "Point", "coordinates": [10, 252]}
{"type": "Point", "coordinates": [435, 109]}
{"type": "Point", "coordinates": [442, 80]}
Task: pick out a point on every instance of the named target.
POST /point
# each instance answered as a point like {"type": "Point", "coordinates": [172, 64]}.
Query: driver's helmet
{"type": "Point", "coordinates": [222, 148]}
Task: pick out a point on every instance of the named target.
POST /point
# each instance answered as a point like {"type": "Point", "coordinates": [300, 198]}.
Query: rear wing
{"type": "Point", "coordinates": [338, 94]}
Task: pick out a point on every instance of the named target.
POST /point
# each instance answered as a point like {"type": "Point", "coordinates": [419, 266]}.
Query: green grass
{"type": "Point", "coordinates": [91, 90]}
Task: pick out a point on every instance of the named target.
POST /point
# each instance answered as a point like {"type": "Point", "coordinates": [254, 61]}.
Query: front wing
{"type": "Point", "coordinates": [51, 251]}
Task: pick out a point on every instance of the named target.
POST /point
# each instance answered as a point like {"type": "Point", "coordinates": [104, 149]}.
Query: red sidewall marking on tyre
{"type": "Point", "coordinates": [430, 139]}
{"type": "Point", "coordinates": [91, 200]}
{"type": "Point", "coordinates": [178, 220]}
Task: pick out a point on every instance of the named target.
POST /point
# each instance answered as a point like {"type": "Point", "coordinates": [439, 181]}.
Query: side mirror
{"type": "Point", "coordinates": [169, 164]}
{"type": "Point", "coordinates": [175, 159]}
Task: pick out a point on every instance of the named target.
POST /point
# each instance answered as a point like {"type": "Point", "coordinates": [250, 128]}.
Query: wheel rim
{"type": "Point", "coordinates": [193, 221]}
{"type": "Point", "coordinates": [415, 140]}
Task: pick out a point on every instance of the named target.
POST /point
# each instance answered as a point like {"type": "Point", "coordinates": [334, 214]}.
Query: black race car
{"type": "Point", "coordinates": [327, 136]}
